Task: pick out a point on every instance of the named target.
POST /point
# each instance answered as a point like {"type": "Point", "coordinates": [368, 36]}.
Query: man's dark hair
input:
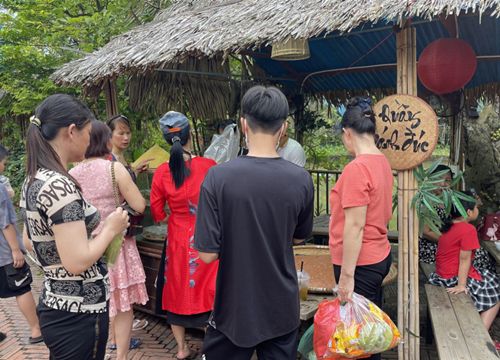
{"type": "Point", "coordinates": [3, 153]}
{"type": "Point", "coordinates": [99, 138]}
{"type": "Point", "coordinates": [265, 108]}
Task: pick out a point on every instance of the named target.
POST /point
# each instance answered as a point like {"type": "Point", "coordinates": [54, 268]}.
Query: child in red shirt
{"type": "Point", "coordinates": [454, 270]}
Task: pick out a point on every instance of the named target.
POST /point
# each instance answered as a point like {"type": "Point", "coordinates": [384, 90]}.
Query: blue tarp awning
{"type": "Point", "coordinates": [337, 51]}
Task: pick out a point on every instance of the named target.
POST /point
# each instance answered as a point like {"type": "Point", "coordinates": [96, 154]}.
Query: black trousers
{"type": "Point", "coordinates": [368, 282]}
{"type": "Point", "coordinates": [217, 346]}
{"type": "Point", "coordinates": [72, 336]}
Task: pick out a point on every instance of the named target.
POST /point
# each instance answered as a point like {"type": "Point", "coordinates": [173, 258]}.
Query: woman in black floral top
{"type": "Point", "coordinates": [59, 222]}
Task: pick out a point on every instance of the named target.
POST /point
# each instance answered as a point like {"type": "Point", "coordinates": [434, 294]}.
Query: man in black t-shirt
{"type": "Point", "coordinates": [250, 211]}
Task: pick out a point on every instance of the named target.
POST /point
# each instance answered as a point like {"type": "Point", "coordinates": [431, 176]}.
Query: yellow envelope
{"type": "Point", "coordinates": [156, 153]}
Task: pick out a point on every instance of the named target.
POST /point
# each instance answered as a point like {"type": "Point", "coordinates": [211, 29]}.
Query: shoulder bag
{"type": "Point", "coordinates": [135, 218]}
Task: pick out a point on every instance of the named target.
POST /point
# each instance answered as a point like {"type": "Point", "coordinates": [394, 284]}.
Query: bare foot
{"type": "Point", "coordinates": [183, 353]}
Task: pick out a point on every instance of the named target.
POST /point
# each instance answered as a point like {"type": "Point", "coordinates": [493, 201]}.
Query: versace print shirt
{"type": "Point", "coordinates": [52, 199]}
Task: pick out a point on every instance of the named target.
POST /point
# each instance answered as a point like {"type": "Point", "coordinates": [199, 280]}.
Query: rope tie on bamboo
{"type": "Point", "coordinates": [403, 189]}
{"type": "Point", "coordinates": [35, 121]}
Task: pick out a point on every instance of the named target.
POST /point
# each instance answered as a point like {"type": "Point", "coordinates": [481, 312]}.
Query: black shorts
{"type": "Point", "coordinates": [71, 336]}
{"type": "Point", "coordinates": [368, 279]}
{"type": "Point", "coordinates": [5, 291]}
{"type": "Point", "coordinates": [217, 346]}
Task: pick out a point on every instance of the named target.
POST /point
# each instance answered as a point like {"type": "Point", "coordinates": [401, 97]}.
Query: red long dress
{"type": "Point", "coordinates": [189, 283]}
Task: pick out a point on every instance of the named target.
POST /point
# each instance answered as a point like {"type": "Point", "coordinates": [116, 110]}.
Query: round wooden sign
{"type": "Point", "coordinates": [406, 130]}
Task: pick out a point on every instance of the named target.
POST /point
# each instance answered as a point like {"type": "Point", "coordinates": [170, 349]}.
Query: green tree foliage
{"type": "Point", "coordinates": [38, 36]}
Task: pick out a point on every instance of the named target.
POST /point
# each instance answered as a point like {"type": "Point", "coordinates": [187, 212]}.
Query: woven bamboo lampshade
{"type": "Point", "coordinates": [290, 50]}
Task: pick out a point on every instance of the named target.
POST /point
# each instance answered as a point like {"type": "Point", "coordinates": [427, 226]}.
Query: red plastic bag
{"type": "Point", "coordinates": [356, 329]}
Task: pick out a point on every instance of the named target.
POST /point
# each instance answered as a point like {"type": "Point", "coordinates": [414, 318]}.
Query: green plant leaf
{"type": "Point", "coordinates": [458, 205]}
{"type": "Point", "coordinates": [465, 197]}
{"type": "Point", "coordinates": [434, 199]}
{"type": "Point", "coordinates": [419, 173]}
{"type": "Point", "coordinates": [429, 206]}
{"type": "Point", "coordinates": [456, 179]}
{"type": "Point", "coordinates": [447, 200]}
{"type": "Point", "coordinates": [438, 175]}
{"type": "Point", "coordinates": [433, 166]}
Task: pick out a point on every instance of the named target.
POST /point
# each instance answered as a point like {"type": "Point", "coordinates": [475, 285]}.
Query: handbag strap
{"type": "Point", "coordinates": [115, 185]}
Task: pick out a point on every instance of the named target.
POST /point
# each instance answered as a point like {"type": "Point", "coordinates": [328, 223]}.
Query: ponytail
{"type": "Point", "coordinates": [177, 166]}
{"type": "Point", "coordinates": [447, 224]}
{"type": "Point", "coordinates": [55, 112]}
{"type": "Point", "coordinates": [175, 129]}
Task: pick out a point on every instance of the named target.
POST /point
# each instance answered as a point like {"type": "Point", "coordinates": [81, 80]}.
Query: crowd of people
{"type": "Point", "coordinates": [227, 262]}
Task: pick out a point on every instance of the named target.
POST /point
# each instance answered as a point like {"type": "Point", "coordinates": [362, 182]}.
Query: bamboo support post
{"type": "Point", "coordinates": [111, 97]}
{"type": "Point", "coordinates": [408, 294]}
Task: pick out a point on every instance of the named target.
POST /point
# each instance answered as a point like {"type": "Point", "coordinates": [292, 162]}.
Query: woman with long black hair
{"type": "Point", "coordinates": [73, 307]}
{"type": "Point", "coordinates": [186, 283]}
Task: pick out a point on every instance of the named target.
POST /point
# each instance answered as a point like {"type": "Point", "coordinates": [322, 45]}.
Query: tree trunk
{"type": "Point", "coordinates": [482, 158]}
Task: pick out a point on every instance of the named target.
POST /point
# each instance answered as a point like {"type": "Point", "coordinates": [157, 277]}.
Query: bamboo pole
{"type": "Point", "coordinates": [415, 231]}
{"type": "Point", "coordinates": [401, 263]}
{"type": "Point", "coordinates": [408, 295]}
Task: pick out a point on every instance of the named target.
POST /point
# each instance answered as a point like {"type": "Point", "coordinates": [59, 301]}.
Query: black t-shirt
{"type": "Point", "coordinates": [249, 211]}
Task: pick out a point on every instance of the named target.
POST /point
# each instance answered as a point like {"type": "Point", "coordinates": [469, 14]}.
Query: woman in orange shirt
{"type": "Point", "coordinates": [361, 204]}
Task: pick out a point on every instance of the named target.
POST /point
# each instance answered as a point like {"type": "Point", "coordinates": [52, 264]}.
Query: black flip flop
{"type": "Point", "coordinates": [36, 340]}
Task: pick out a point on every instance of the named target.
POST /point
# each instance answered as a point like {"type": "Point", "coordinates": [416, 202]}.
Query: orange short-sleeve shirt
{"type": "Point", "coordinates": [365, 181]}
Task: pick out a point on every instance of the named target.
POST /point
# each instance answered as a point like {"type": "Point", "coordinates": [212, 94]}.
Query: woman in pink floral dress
{"type": "Point", "coordinates": [126, 275]}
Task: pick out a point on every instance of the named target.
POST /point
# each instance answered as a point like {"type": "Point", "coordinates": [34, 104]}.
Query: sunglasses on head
{"type": "Point", "coordinates": [116, 117]}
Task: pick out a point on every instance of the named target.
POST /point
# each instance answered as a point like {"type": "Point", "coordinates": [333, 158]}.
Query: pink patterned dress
{"type": "Point", "coordinates": [127, 277]}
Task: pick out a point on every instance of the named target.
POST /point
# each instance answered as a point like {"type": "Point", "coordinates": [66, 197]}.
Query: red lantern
{"type": "Point", "coordinates": [446, 65]}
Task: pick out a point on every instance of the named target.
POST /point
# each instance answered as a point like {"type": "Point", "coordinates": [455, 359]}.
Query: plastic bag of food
{"type": "Point", "coordinates": [113, 249]}
{"type": "Point", "coordinates": [355, 329]}
{"type": "Point", "coordinates": [224, 147]}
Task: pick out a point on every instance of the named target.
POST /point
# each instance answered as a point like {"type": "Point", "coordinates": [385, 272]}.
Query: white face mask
{"type": "Point", "coordinates": [245, 135]}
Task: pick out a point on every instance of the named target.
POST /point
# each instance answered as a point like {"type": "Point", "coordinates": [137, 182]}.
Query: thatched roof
{"type": "Point", "coordinates": [206, 28]}
{"type": "Point", "coordinates": [179, 60]}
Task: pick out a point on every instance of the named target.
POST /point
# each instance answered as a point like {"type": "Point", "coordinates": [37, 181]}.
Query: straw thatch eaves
{"type": "Point", "coordinates": [211, 29]}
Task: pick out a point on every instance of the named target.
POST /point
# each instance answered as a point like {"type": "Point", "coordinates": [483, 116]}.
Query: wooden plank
{"type": "Point", "coordinates": [427, 268]}
{"type": "Point", "coordinates": [490, 247]}
{"type": "Point", "coordinates": [449, 338]}
{"type": "Point", "coordinates": [476, 336]}
{"type": "Point", "coordinates": [309, 307]}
